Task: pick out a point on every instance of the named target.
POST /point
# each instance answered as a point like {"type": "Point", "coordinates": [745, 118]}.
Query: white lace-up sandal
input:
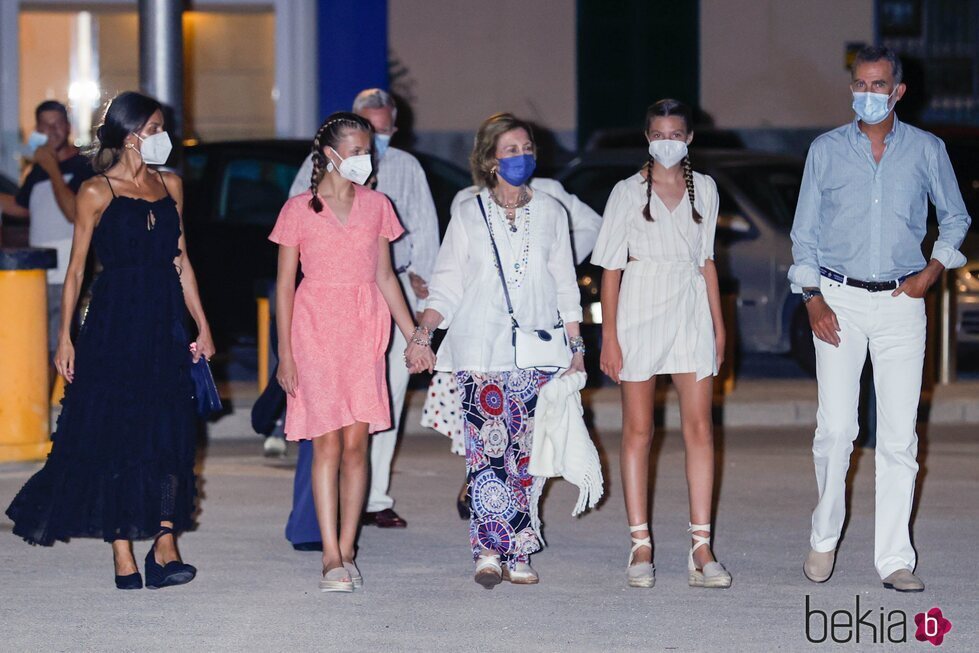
{"type": "Point", "coordinates": [713, 574]}
{"type": "Point", "coordinates": [642, 574]}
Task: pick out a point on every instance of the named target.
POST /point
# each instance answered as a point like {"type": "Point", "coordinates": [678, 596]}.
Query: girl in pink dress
{"type": "Point", "coordinates": [334, 329]}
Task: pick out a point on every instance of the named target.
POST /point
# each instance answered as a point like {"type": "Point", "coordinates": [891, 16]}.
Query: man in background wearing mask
{"type": "Point", "coordinates": [399, 176]}
{"type": "Point", "coordinates": [857, 236]}
{"type": "Point", "coordinates": [47, 197]}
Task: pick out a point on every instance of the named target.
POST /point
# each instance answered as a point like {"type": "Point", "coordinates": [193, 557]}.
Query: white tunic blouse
{"type": "Point", "coordinates": [467, 291]}
{"type": "Point", "coordinates": [664, 324]}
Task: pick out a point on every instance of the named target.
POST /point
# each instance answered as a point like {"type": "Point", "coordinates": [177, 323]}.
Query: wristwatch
{"type": "Point", "coordinates": [809, 293]}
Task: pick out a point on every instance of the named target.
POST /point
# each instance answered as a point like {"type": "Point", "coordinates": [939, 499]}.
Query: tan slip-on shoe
{"type": "Point", "coordinates": [819, 566]}
{"type": "Point", "coordinates": [520, 573]}
{"type": "Point", "coordinates": [903, 580]}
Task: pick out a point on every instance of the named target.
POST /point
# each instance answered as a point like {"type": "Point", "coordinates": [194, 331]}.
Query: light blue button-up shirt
{"type": "Point", "coordinates": [867, 220]}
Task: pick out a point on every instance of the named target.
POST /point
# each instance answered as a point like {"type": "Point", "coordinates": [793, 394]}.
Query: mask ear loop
{"type": "Point", "coordinates": [330, 166]}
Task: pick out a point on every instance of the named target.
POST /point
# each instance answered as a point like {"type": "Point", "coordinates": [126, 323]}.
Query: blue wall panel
{"type": "Point", "coordinates": [352, 50]}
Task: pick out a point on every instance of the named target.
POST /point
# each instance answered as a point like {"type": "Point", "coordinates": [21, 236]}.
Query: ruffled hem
{"type": "Point", "coordinates": [57, 503]}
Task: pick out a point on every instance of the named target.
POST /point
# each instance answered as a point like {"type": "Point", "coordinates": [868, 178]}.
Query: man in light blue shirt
{"type": "Point", "coordinates": [856, 244]}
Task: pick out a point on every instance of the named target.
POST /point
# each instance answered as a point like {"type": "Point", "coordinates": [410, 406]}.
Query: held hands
{"type": "Point", "coordinates": [823, 321]}
{"type": "Point", "coordinates": [64, 360]}
{"type": "Point", "coordinates": [419, 358]}
{"type": "Point", "coordinates": [611, 359]}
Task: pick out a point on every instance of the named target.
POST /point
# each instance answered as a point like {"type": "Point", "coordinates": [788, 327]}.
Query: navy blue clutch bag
{"type": "Point", "coordinates": [205, 391]}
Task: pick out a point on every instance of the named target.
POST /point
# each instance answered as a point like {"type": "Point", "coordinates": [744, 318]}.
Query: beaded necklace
{"type": "Point", "coordinates": [520, 262]}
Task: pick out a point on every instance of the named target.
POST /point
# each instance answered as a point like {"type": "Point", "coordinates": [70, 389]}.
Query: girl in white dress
{"type": "Point", "coordinates": [665, 318]}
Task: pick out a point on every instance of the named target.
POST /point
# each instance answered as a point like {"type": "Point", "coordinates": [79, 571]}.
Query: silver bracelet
{"type": "Point", "coordinates": [422, 341]}
{"type": "Point", "coordinates": [577, 344]}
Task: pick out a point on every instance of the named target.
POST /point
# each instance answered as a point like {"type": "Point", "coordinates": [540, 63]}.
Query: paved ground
{"type": "Point", "coordinates": [254, 593]}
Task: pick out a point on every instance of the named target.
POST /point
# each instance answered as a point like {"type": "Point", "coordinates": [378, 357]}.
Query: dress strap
{"type": "Point", "coordinates": [159, 172]}
{"type": "Point", "coordinates": [111, 189]}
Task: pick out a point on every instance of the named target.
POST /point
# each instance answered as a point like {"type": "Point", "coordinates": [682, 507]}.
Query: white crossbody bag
{"type": "Point", "coordinates": [542, 349]}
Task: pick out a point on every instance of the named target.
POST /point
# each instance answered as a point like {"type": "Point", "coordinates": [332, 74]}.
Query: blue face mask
{"type": "Point", "coordinates": [872, 108]}
{"type": "Point", "coordinates": [516, 170]}
{"type": "Point", "coordinates": [381, 143]}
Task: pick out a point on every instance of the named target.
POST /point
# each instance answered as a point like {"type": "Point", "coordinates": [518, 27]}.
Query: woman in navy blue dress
{"type": "Point", "coordinates": [122, 464]}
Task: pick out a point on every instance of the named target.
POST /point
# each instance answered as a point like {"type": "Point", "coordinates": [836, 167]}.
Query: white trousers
{"type": "Point", "coordinates": [893, 329]}
{"type": "Point", "coordinates": [383, 443]}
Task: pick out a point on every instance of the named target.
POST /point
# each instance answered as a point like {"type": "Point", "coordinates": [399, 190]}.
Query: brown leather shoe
{"type": "Point", "coordinates": [386, 518]}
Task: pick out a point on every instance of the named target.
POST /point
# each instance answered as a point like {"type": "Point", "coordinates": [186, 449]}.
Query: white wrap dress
{"type": "Point", "coordinates": [664, 323]}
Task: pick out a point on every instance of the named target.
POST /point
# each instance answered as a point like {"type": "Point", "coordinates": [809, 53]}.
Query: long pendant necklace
{"type": "Point", "coordinates": [519, 262]}
{"type": "Point", "coordinates": [150, 221]}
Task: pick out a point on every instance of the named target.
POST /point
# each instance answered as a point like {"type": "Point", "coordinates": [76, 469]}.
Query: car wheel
{"type": "Point", "coordinates": [803, 350]}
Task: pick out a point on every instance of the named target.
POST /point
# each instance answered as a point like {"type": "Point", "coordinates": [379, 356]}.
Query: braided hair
{"type": "Point", "coordinates": [661, 109]}
{"type": "Point", "coordinates": [329, 135]}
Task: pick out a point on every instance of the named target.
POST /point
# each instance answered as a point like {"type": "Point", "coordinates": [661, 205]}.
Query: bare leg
{"type": "Point", "coordinates": [327, 452]}
{"type": "Point", "coordinates": [698, 439]}
{"type": "Point", "coordinates": [122, 557]}
{"type": "Point", "coordinates": [353, 485]}
{"type": "Point", "coordinates": [637, 437]}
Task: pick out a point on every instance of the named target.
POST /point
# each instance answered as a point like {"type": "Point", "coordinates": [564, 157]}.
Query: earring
{"type": "Point", "coordinates": [329, 166]}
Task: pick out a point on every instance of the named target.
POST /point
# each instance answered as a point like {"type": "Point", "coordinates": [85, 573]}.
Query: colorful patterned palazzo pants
{"type": "Point", "coordinates": [498, 413]}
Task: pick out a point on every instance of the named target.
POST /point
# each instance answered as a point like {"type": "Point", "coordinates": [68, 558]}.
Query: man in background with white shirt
{"type": "Point", "coordinates": [401, 178]}
{"type": "Point", "coordinates": [47, 198]}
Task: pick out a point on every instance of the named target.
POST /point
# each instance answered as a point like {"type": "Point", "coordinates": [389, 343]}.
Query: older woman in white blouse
{"type": "Point", "coordinates": [466, 297]}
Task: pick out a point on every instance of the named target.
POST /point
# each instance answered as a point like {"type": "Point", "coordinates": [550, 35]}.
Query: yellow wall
{"type": "Point", "coordinates": [229, 63]}
{"type": "Point", "coordinates": [468, 59]}
{"type": "Point", "coordinates": [779, 63]}
{"type": "Point", "coordinates": [45, 42]}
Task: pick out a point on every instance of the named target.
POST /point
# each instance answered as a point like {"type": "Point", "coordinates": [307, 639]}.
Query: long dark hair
{"type": "Point", "coordinates": [125, 114]}
{"type": "Point", "coordinates": [662, 109]}
{"type": "Point", "coordinates": [329, 134]}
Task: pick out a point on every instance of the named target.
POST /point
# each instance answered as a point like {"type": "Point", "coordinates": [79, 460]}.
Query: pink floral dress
{"type": "Point", "coordinates": [340, 321]}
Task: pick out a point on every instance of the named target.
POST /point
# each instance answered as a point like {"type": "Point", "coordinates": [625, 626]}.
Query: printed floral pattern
{"type": "Point", "coordinates": [498, 417]}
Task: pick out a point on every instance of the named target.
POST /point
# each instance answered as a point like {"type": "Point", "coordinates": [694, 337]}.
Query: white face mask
{"type": "Point", "coordinates": [873, 108]}
{"type": "Point", "coordinates": [155, 149]}
{"type": "Point", "coordinates": [667, 152]}
{"type": "Point", "coordinates": [355, 168]}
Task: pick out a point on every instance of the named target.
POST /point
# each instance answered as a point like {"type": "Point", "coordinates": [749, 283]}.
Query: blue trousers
{"type": "Point", "coordinates": [303, 527]}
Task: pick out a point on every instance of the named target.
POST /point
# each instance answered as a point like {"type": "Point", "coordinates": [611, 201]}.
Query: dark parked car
{"type": "Point", "coordinates": [758, 194]}
{"type": "Point", "coordinates": [234, 191]}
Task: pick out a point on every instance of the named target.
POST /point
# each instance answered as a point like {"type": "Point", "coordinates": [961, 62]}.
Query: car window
{"type": "Point", "coordinates": [772, 189]}
{"type": "Point", "coordinates": [593, 184]}
{"type": "Point", "coordinates": [195, 164]}
{"type": "Point", "coordinates": [254, 190]}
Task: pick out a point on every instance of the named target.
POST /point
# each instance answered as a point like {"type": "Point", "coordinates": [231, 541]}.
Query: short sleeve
{"type": "Point", "coordinates": [23, 196]}
{"type": "Point", "coordinates": [709, 206]}
{"type": "Point", "coordinates": [81, 171]}
{"type": "Point", "coordinates": [612, 247]}
{"type": "Point", "coordinates": [286, 230]}
{"type": "Point", "coordinates": [390, 225]}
